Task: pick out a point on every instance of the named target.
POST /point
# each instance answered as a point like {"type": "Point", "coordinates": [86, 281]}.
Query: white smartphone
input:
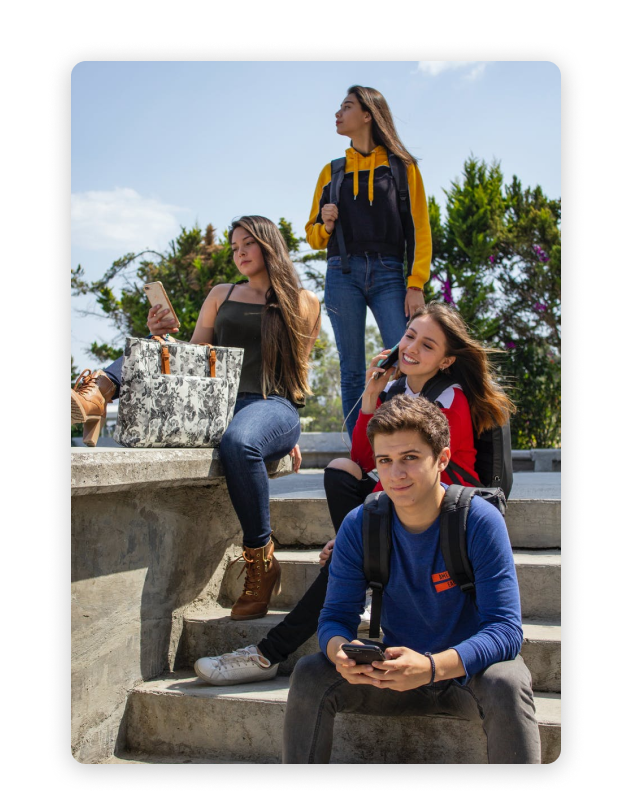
{"type": "Point", "coordinates": [157, 295]}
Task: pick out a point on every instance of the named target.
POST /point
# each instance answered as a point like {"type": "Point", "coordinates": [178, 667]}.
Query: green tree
{"type": "Point", "coordinates": [497, 258]}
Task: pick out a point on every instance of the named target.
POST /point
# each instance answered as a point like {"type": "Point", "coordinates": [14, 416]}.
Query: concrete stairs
{"type": "Point", "coordinates": [177, 718]}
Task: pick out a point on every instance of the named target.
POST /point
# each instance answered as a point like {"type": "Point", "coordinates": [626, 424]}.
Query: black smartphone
{"type": "Point", "coordinates": [363, 655]}
{"type": "Point", "coordinates": [390, 359]}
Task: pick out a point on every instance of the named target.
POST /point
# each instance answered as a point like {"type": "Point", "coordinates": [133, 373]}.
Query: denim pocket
{"type": "Point", "coordinates": [333, 262]}
{"type": "Point", "coordinates": [391, 263]}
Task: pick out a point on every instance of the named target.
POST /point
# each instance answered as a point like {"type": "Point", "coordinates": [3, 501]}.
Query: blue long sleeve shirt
{"type": "Point", "coordinates": [422, 608]}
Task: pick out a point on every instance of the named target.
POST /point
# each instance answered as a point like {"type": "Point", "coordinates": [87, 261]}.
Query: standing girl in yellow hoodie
{"type": "Point", "coordinates": [368, 211]}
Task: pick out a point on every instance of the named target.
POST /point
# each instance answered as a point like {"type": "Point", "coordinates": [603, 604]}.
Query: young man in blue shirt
{"type": "Point", "coordinates": [444, 652]}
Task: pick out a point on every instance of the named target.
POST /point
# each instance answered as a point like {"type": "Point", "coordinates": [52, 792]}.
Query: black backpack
{"type": "Point", "coordinates": [398, 170]}
{"type": "Point", "coordinates": [493, 446]}
{"type": "Point", "coordinates": [376, 536]}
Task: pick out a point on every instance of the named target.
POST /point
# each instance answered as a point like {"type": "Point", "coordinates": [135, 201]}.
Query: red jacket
{"type": "Point", "coordinates": [458, 414]}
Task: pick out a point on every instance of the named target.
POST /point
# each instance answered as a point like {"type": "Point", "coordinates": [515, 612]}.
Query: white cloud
{"type": "Point", "coordinates": [435, 68]}
{"type": "Point", "coordinates": [121, 219]}
{"type": "Point", "coordinates": [477, 72]}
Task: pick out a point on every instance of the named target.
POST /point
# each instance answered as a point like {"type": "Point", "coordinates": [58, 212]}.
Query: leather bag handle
{"type": "Point", "coordinates": [165, 355]}
{"type": "Point", "coordinates": [213, 359]}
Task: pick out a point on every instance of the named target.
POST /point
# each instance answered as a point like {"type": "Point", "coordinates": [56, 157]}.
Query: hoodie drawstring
{"type": "Point", "coordinates": [371, 176]}
{"type": "Point", "coordinates": [356, 175]}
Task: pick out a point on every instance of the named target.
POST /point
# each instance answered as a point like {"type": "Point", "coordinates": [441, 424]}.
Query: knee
{"type": "Point", "coordinates": [343, 464]}
{"type": "Point", "coordinates": [341, 479]}
{"type": "Point", "coordinates": [234, 444]}
{"type": "Point", "coordinates": [309, 674]}
{"type": "Point", "coordinates": [507, 683]}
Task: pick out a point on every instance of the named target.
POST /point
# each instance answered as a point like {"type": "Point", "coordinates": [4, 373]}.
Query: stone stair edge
{"type": "Point", "coordinates": [310, 555]}
{"type": "Point", "coordinates": [187, 684]}
{"type": "Point", "coordinates": [531, 626]}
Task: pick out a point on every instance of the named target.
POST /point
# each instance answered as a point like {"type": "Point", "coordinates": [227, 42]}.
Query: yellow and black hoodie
{"type": "Point", "coordinates": [369, 211]}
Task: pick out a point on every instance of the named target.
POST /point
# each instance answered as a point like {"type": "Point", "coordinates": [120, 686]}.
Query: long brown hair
{"type": "Point", "coordinates": [384, 132]}
{"type": "Point", "coordinates": [489, 404]}
{"type": "Point", "coordinates": [284, 327]}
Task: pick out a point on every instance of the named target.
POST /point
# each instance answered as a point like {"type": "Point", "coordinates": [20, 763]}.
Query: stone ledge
{"type": "Point", "coordinates": [318, 448]}
{"type": "Point", "coordinates": [107, 470]}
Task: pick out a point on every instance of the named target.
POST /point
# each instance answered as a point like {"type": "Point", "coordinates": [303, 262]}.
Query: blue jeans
{"type": "Point", "coordinates": [377, 282]}
{"type": "Point", "coordinates": [261, 431]}
{"type": "Point", "coordinates": [115, 373]}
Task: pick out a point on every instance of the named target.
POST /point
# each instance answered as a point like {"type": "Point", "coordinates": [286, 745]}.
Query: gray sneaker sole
{"type": "Point", "coordinates": [255, 675]}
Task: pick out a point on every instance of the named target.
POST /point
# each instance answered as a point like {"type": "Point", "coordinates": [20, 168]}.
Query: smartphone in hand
{"type": "Point", "coordinates": [157, 295]}
{"type": "Point", "coordinates": [363, 655]}
{"type": "Point", "coordinates": [391, 358]}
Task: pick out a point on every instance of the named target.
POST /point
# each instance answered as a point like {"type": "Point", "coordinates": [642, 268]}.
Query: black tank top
{"type": "Point", "coordinates": [238, 324]}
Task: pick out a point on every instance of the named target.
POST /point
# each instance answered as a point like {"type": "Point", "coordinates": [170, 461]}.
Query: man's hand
{"type": "Point", "coordinates": [403, 669]}
{"type": "Point", "coordinates": [326, 551]}
{"type": "Point", "coordinates": [349, 669]}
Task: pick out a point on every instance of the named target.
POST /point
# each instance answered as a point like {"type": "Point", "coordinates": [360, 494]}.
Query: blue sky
{"type": "Point", "coordinates": [158, 145]}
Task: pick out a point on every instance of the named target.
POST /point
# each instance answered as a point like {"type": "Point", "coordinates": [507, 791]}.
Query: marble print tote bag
{"type": "Point", "coordinates": [176, 395]}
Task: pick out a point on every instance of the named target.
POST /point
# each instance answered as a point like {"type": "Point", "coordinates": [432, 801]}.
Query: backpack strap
{"type": "Point", "coordinates": [401, 179]}
{"type": "Point", "coordinates": [398, 170]}
{"type": "Point", "coordinates": [436, 385]}
{"type": "Point", "coordinates": [376, 536]}
{"type": "Point", "coordinates": [337, 168]}
{"type": "Point", "coordinates": [398, 387]}
{"type": "Point", "coordinates": [453, 536]}
{"type": "Point", "coordinates": [458, 473]}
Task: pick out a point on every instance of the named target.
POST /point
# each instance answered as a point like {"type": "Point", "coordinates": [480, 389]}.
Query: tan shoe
{"type": "Point", "coordinates": [89, 398]}
{"type": "Point", "coordinates": [263, 575]}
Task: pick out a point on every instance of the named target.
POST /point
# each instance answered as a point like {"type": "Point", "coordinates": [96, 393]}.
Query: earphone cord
{"type": "Point", "coordinates": [376, 374]}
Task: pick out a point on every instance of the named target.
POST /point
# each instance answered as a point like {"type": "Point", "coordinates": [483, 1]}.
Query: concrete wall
{"type": "Point", "coordinates": [152, 534]}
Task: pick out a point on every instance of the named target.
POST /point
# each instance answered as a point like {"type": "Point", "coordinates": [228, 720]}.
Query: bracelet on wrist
{"type": "Point", "coordinates": [414, 287]}
{"type": "Point", "coordinates": [430, 656]}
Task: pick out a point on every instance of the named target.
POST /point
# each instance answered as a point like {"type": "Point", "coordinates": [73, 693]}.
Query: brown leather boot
{"type": "Point", "coordinates": [263, 574]}
{"type": "Point", "coordinates": [89, 398]}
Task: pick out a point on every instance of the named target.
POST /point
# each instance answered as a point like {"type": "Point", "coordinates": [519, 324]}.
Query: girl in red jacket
{"type": "Point", "coordinates": [435, 343]}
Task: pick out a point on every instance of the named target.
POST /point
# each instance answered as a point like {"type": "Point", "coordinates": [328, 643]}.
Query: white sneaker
{"type": "Point", "coordinates": [242, 665]}
{"type": "Point", "coordinates": [365, 617]}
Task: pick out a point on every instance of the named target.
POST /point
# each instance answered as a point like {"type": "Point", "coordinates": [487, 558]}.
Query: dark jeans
{"type": "Point", "coordinates": [500, 698]}
{"type": "Point", "coordinates": [343, 493]}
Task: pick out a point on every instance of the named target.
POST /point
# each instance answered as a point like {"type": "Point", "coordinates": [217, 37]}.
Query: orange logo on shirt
{"type": "Point", "coordinates": [442, 581]}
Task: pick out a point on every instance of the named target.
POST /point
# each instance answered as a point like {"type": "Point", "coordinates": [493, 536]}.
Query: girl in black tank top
{"type": "Point", "coordinates": [275, 322]}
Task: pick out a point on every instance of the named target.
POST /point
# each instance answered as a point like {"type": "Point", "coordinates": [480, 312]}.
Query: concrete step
{"type": "Point", "coordinates": [538, 577]}
{"type": "Point", "coordinates": [181, 716]}
{"type": "Point", "coordinates": [532, 523]}
{"type": "Point", "coordinates": [215, 633]}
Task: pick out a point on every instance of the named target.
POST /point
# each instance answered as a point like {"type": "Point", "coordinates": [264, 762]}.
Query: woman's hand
{"type": "Point", "coordinates": [376, 380]}
{"type": "Point", "coordinates": [159, 322]}
{"type": "Point", "coordinates": [296, 459]}
{"type": "Point", "coordinates": [414, 301]}
{"type": "Point", "coordinates": [326, 551]}
{"type": "Point", "coordinates": [329, 214]}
